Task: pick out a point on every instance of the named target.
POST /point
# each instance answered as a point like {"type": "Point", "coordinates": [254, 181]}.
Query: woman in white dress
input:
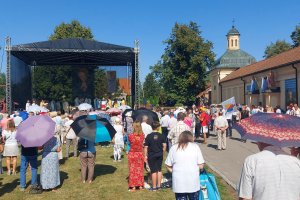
{"type": "Point", "coordinates": [11, 150]}
{"type": "Point", "coordinates": [118, 139]}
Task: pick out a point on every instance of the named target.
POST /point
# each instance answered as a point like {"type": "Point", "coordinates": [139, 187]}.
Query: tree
{"type": "Point", "coordinates": [71, 30]}
{"type": "Point", "coordinates": [182, 69]}
{"type": "Point", "coordinates": [55, 82]}
{"type": "Point", "coordinates": [295, 36]}
{"type": "Point", "coordinates": [151, 86]}
{"type": "Point", "coordinates": [101, 83]}
{"type": "Point", "coordinates": [2, 85]}
{"type": "Point", "coordinates": [277, 48]}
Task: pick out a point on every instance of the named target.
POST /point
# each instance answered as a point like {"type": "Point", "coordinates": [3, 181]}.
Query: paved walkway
{"type": "Point", "coordinates": [228, 163]}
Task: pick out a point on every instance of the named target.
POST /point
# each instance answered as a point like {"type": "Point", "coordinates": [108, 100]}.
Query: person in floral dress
{"type": "Point", "coordinates": [50, 177]}
{"type": "Point", "coordinates": [136, 158]}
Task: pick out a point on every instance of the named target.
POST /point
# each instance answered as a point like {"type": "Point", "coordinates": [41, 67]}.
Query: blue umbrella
{"type": "Point", "coordinates": [93, 128]}
{"type": "Point", "coordinates": [24, 115]}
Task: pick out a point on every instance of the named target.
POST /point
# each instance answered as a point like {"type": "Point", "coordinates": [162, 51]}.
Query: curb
{"type": "Point", "coordinates": [222, 175]}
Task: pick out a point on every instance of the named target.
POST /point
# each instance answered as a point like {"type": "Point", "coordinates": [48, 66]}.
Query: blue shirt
{"type": "Point", "coordinates": [91, 147]}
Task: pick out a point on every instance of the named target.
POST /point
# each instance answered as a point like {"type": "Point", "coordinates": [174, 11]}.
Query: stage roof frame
{"type": "Point", "coordinates": [73, 52]}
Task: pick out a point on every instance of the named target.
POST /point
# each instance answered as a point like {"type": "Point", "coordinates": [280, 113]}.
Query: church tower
{"type": "Point", "coordinates": [233, 39]}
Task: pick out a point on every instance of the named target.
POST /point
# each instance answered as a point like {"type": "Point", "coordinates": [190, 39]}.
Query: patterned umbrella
{"type": "Point", "coordinates": [276, 129]}
{"type": "Point", "coordinates": [113, 110]}
{"type": "Point", "coordinates": [35, 131]}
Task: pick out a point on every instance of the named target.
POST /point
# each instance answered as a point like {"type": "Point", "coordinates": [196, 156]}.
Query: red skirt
{"type": "Point", "coordinates": [136, 169]}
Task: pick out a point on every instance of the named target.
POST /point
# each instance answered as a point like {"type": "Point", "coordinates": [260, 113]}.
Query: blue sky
{"type": "Point", "coordinates": [260, 22]}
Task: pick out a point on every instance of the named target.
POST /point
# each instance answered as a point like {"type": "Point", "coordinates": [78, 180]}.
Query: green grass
{"type": "Point", "coordinates": [110, 183]}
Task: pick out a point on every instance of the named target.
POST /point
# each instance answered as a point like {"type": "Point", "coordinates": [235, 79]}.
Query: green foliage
{"type": "Point", "coordinates": [295, 36]}
{"type": "Point", "coordinates": [54, 82]}
{"type": "Point", "coordinates": [277, 48]}
{"type": "Point", "coordinates": [71, 30]}
{"type": "Point", "coordinates": [101, 83]}
{"type": "Point", "coordinates": [2, 87]}
{"type": "Point", "coordinates": [151, 89]}
{"type": "Point", "coordinates": [182, 69]}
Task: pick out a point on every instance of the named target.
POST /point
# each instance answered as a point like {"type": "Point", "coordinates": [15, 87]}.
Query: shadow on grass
{"type": "Point", "coordinates": [8, 187]}
{"type": "Point", "coordinates": [101, 170]}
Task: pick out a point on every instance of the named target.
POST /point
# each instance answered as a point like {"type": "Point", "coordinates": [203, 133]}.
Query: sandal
{"type": "Point", "coordinates": [153, 189]}
{"type": "Point", "coordinates": [131, 190]}
{"type": "Point", "coordinates": [141, 188]}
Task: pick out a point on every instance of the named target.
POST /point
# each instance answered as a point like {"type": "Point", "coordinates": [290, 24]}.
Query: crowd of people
{"type": "Point", "coordinates": [145, 143]}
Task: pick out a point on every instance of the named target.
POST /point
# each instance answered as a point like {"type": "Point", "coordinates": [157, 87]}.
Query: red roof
{"type": "Point", "coordinates": [125, 85]}
{"type": "Point", "coordinates": [286, 58]}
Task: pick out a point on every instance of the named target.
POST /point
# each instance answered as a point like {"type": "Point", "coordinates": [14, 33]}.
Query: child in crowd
{"type": "Point", "coordinates": [118, 139]}
{"type": "Point", "coordinates": [155, 145]}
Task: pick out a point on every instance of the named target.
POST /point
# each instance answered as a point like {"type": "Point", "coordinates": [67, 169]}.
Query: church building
{"type": "Point", "coordinates": [233, 59]}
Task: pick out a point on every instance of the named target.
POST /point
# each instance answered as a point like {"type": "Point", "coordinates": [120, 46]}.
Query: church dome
{"type": "Point", "coordinates": [234, 59]}
{"type": "Point", "coordinates": [233, 31]}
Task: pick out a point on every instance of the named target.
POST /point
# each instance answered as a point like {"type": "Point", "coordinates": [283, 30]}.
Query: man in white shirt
{"type": "Point", "coordinates": [178, 129]}
{"type": "Point", "coordinates": [17, 119]}
{"type": "Point", "coordinates": [172, 121]}
{"type": "Point", "coordinates": [164, 122]}
{"type": "Point", "coordinates": [270, 174]}
{"type": "Point", "coordinates": [147, 129]}
{"type": "Point", "coordinates": [296, 110]}
{"type": "Point", "coordinates": [221, 124]}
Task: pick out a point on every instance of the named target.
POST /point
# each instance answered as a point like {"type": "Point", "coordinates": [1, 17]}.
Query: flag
{"type": "Point", "coordinates": [264, 84]}
{"type": "Point", "coordinates": [228, 106]}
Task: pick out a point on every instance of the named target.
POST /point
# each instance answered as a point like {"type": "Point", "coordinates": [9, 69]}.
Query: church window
{"type": "Point", "coordinates": [236, 42]}
{"type": "Point", "coordinates": [232, 43]}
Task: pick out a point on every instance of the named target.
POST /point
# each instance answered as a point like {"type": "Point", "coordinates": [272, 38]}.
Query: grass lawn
{"type": "Point", "coordinates": [110, 183]}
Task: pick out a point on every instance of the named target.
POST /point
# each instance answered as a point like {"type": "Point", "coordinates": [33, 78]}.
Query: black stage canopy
{"type": "Point", "coordinates": [64, 52]}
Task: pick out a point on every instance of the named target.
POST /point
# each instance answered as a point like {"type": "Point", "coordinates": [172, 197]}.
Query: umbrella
{"type": "Point", "coordinates": [93, 128]}
{"type": "Point", "coordinates": [35, 131]}
{"type": "Point", "coordinates": [137, 115]}
{"type": "Point", "coordinates": [113, 110]}
{"type": "Point", "coordinates": [85, 106]}
{"type": "Point", "coordinates": [24, 115]}
{"type": "Point", "coordinates": [276, 129]}
{"type": "Point", "coordinates": [34, 108]}
{"type": "Point", "coordinates": [124, 107]}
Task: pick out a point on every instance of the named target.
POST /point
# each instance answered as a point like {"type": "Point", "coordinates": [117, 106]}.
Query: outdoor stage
{"type": "Point", "coordinates": [84, 55]}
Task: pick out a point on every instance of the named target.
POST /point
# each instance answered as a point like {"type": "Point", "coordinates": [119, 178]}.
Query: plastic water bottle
{"type": "Point", "coordinates": [204, 191]}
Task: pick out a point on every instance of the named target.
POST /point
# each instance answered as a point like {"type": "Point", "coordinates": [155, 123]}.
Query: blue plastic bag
{"type": "Point", "coordinates": [208, 187]}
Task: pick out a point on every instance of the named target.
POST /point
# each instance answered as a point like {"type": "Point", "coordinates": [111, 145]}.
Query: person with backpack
{"type": "Point", "coordinates": [87, 159]}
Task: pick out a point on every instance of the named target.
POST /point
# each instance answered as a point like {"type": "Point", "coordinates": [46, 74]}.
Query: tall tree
{"type": "Point", "coordinates": [56, 81]}
{"type": "Point", "coordinates": [295, 36]}
{"type": "Point", "coordinates": [277, 48]}
{"type": "Point", "coordinates": [151, 86]}
{"type": "Point", "coordinates": [182, 69]}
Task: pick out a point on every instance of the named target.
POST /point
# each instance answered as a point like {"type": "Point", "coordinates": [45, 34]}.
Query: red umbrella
{"type": "Point", "coordinates": [113, 110]}
{"type": "Point", "coordinates": [276, 129]}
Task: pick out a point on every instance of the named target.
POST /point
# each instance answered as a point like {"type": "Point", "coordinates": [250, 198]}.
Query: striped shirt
{"type": "Point", "coordinates": [270, 174]}
{"type": "Point", "coordinates": [176, 131]}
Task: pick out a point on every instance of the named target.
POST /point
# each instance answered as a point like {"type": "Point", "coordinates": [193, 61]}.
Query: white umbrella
{"type": "Point", "coordinates": [34, 108]}
{"type": "Point", "coordinates": [124, 107]}
{"type": "Point", "coordinates": [85, 106]}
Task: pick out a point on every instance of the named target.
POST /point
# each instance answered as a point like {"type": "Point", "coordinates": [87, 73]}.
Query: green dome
{"type": "Point", "coordinates": [233, 31]}
{"type": "Point", "coordinates": [234, 59]}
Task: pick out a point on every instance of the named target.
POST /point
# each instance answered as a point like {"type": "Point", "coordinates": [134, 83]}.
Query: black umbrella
{"type": "Point", "coordinates": [138, 115]}
{"type": "Point", "coordinates": [93, 128]}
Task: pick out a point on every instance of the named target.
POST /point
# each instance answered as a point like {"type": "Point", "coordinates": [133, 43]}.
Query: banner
{"type": "Point", "coordinates": [229, 107]}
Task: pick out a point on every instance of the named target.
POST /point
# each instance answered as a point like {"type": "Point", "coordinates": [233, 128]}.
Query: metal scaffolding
{"type": "Point", "coordinates": [137, 73]}
{"type": "Point", "coordinates": [8, 75]}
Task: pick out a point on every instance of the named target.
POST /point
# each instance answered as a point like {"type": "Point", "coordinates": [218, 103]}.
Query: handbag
{"type": "Point", "coordinates": [208, 187]}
